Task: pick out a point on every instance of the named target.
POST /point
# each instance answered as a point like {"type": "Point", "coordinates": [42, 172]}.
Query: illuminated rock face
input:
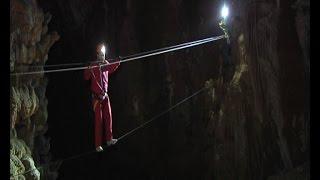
{"type": "Point", "coordinates": [251, 124]}
{"type": "Point", "coordinates": [29, 46]}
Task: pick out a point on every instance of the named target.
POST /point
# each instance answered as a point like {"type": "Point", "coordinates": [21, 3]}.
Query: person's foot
{"type": "Point", "coordinates": [112, 142]}
{"type": "Point", "coordinates": [99, 149]}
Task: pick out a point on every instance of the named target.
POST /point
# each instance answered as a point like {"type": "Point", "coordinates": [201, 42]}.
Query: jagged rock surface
{"type": "Point", "coordinates": [29, 46]}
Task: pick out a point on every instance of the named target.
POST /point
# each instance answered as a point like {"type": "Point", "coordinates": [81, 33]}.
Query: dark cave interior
{"type": "Point", "coordinates": [252, 124]}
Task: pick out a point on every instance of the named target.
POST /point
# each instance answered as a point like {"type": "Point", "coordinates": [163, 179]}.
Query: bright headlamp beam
{"type": "Point", "coordinates": [103, 49]}
{"type": "Point", "coordinates": [224, 12]}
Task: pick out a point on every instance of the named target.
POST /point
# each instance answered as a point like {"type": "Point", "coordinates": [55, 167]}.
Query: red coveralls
{"type": "Point", "coordinates": [102, 108]}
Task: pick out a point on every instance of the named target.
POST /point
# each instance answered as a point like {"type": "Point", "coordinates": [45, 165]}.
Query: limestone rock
{"type": "Point", "coordinates": [28, 163]}
{"type": "Point", "coordinates": [30, 43]}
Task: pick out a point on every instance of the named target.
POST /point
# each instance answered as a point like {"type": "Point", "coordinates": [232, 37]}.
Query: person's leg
{"type": "Point", "coordinates": [107, 117]}
{"type": "Point", "coordinates": [97, 122]}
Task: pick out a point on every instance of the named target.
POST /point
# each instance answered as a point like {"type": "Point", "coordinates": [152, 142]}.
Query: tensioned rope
{"type": "Point", "coordinates": [162, 113]}
{"type": "Point", "coordinates": [51, 65]}
{"type": "Point", "coordinates": [131, 57]}
{"type": "Point", "coordinates": [86, 63]}
{"type": "Point", "coordinates": [126, 134]}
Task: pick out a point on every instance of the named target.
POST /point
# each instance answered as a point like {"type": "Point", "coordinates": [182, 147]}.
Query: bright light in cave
{"type": "Point", "coordinates": [103, 49]}
{"type": "Point", "coordinates": [224, 12]}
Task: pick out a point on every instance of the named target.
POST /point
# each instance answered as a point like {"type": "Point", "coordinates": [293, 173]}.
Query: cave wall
{"type": "Point", "coordinates": [260, 128]}
{"type": "Point", "coordinates": [252, 123]}
{"type": "Point", "coordinates": [30, 42]}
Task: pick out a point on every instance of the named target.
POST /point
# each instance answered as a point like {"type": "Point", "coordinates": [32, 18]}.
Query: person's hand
{"type": "Point", "coordinates": [118, 59]}
{"type": "Point", "coordinates": [106, 61]}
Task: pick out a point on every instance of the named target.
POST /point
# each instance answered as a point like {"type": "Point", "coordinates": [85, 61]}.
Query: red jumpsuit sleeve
{"type": "Point", "coordinates": [111, 68]}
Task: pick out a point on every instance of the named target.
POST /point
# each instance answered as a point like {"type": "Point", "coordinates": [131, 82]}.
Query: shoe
{"type": "Point", "coordinates": [112, 142]}
{"type": "Point", "coordinates": [99, 149]}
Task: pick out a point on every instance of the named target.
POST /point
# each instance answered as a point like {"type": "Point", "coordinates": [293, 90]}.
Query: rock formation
{"type": "Point", "coordinates": [30, 42]}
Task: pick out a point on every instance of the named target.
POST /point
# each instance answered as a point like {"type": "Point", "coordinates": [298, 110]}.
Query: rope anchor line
{"type": "Point", "coordinates": [124, 135]}
{"type": "Point", "coordinates": [126, 58]}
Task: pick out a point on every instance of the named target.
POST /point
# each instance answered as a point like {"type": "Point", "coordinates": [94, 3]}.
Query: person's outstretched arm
{"type": "Point", "coordinates": [112, 67]}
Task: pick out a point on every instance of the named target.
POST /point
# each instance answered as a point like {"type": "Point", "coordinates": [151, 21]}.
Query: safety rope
{"type": "Point", "coordinates": [169, 50]}
{"type": "Point", "coordinates": [131, 57]}
{"type": "Point", "coordinates": [162, 113]}
{"type": "Point", "coordinates": [86, 63]}
{"type": "Point", "coordinates": [166, 48]}
{"type": "Point", "coordinates": [52, 65]}
{"type": "Point", "coordinates": [123, 136]}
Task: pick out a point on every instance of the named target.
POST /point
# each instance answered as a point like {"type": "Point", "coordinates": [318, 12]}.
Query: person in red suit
{"type": "Point", "coordinates": [98, 73]}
